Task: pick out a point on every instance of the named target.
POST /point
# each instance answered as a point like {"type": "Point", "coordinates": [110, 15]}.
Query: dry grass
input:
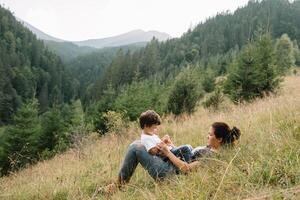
{"type": "Point", "coordinates": [265, 164]}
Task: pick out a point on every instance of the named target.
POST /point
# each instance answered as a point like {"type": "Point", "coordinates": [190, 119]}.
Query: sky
{"type": "Point", "coordinates": [76, 20]}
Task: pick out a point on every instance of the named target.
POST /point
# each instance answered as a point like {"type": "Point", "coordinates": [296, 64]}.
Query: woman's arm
{"type": "Point", "coordinates": [181, 165]}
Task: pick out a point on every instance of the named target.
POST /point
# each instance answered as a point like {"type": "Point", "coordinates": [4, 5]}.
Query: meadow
{"type": "Point", "coordinates": [265, 164]}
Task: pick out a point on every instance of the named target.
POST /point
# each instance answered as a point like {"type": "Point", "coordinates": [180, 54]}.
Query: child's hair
{"type": "Point", "coordinates": [228, 136]}
{"type": "Point", "coordinates": [149, 118]}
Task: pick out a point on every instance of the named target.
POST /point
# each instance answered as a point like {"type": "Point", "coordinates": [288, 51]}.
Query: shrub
{"type": "Point", "coordinates": [214, 100]}
{"type": "Point", "coordinates": [115, 122]}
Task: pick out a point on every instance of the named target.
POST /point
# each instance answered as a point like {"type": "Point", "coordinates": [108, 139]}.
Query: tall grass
{"type": "Point", "coordinates": [264, 165]}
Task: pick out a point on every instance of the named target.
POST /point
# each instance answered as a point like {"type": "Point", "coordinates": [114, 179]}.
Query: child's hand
{"type": "Point", "coordinates": [166, 139]}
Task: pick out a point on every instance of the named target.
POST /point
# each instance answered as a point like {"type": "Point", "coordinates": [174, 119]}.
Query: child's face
{"type": "Point", "coordinates": [153, 129]}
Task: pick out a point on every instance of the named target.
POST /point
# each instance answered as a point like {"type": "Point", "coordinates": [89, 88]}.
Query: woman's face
{"type": "Point", "coordinates": [212, 141]}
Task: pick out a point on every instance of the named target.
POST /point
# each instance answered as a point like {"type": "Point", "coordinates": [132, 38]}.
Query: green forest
{"type": "Point", "coordinates": [50, 98]}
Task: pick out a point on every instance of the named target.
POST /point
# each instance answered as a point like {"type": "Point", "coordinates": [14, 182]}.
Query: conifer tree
{"type": "Point", "coordinates": [253, 72]}
{"type": "Point", "coordinates": [185, 93]}
{"type": "Point", "coordinates": [53, 129]}
{"type": "Point", "coordinates": [265, 62]}
{"type": "Point", "coordinates": [21, 139]}
{"type": "Point", "coordinates": [296, 53]}
{"type": "Point", "coordinates": [284, 54]}
{"type": "Point", "coordinates": [241, 83]}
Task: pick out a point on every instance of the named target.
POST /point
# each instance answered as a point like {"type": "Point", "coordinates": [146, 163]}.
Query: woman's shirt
{"type": "Point", "coordinates": [202, 151]}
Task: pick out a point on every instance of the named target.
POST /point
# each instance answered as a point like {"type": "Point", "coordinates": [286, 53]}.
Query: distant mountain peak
{"type": "Point", "coordinates": [131, 37]}
{"type": "Point", "coordinates": [40, 34]}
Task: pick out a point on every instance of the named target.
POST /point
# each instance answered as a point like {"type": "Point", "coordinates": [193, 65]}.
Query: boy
{"type": "Point", "coordinates": [149, 122]}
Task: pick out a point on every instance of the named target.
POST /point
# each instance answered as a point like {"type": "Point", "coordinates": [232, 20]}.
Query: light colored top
{"type": "Point", "coordinates": [149, 141]}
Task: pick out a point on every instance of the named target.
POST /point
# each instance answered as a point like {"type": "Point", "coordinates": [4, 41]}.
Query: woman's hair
{"type": "Point", "coordinates": [149, 118]}
{"type": "Point", "coordinates": [223, 131]}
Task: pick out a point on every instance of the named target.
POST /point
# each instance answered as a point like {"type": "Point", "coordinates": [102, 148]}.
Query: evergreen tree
{"type": "Point", "coordinates": [53, 129]}
{"type": "Point", "coordinates": [253, 72]}
{"type": "Point", "coordinates": [96, 110]}
{"type": "Point", "coordinates": [208, 81]}
{"type": "Point", "coordinates": [150, 60]}
{"type": "Point", "coordinates": [140, 96]}
{"type": "Point", "coordinates": [77, 118]}
{"type": "Point", "coordinates": [284, 54]}
{"type": "Point", "coordinates": [21, 139]}
{"type": "Point", "coordinates": [296, 53]}
{"type": "Point", "coordinates": [265, 63]}
{"type": "Point", "coordinates": [214, 99]}
{"type": "Point", "coordinates": [185, 93]}
{"type": "Point", "coordinates": [241, 83]}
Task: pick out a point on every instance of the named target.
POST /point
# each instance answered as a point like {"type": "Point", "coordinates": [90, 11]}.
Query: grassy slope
{"type": "Point", "coordinates": [265, 164]}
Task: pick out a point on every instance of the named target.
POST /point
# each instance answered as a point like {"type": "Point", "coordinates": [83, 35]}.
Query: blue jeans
{"type": "Point", "coordinates": [154, 165]}
{"type": "Point", "coordinates": [184, 152]}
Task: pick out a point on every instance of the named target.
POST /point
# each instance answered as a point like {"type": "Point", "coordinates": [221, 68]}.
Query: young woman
{"type": "Point", "coordinates": [220, 134]}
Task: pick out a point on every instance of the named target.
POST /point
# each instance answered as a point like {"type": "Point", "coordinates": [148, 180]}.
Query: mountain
{"type": "Point", "coordinates": [40, 34]}
{"type": "Point", "coordinates": [131, 37]}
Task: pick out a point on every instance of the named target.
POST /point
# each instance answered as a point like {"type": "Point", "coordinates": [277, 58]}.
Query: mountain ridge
{"type": "Point", "coordinates": [131, 37]}
{"type": "Point", "coordinates": [40, 34]}
{"type": "Point", "coordinates": [134, 36]}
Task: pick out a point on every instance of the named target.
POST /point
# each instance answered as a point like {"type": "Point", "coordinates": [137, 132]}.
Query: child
{"type": "Point", "coordinates": [149, 122]}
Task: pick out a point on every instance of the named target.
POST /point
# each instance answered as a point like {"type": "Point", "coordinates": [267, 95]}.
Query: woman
{"type": "Point", "coordinates": [219, 135]}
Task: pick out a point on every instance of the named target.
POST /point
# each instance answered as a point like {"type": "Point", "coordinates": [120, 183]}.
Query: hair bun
{"type": "Point", "coordinates": [235, 133]}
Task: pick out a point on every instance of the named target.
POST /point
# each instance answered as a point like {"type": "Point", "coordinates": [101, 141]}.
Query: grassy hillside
{"type": "Point", "coordinates": [265, 164]}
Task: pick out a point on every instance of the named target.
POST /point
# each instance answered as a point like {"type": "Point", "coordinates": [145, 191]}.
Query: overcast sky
{"type": "Point", "coordinates": [87, 19]}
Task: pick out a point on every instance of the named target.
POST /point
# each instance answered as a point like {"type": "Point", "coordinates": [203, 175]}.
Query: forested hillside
{"type": "Point", "coordinates": [28, 70]}
{"type": "Point", "coordinates": [35, 92]}
{"type": "Point", "coordinates": [88, 68]}
{"type": "Point", "coordinates": [67, 50]}
{"type": "Point", "coordinates": [144, 79]}
{"type": "Point", "coordinates": [211, 42]}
